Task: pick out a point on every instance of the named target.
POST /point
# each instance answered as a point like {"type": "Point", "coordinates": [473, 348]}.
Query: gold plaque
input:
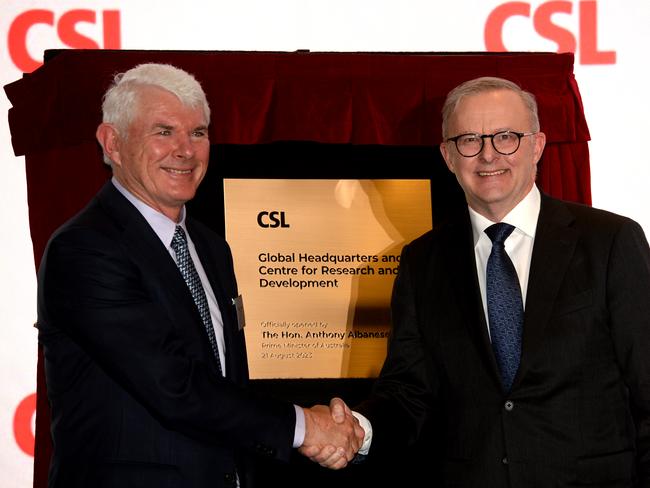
{"type": "Point", "coordinates": [315, 262]}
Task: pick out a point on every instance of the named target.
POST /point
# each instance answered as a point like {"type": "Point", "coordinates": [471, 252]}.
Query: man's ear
{"type": "Point", "coordinates": [446, 156]}
{"type": "Point", "coordinates": [109, 138]}
{"type": "Point", "coordinates": [540, 143]}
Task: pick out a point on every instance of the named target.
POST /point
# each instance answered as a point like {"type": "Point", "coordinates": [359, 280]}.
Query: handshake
{"type": "Point", "coordinates": [333, 435]}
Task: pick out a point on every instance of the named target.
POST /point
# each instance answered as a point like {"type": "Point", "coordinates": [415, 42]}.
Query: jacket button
{"type": "Point", "coordinates": [509, 406]}
{"type": "Point", "coordinates": [504, 460]}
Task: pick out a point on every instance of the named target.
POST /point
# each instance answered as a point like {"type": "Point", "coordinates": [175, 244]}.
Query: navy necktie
{"type": "Point", "coordinates": [504, 304]}
{"type": "Point", "coordinates": [191, 277]}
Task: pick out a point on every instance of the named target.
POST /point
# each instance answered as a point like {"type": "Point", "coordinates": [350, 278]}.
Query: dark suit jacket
{"type": "Point", "coordinates": [131, 380]}
{"type": "Point", "coordinates": [579, 410]}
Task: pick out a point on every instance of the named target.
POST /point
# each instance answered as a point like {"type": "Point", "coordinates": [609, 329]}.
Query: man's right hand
{"type": "Point", "coordinates": [332, 434]}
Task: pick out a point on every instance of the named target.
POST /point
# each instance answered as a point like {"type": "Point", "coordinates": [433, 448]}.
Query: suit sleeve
{"type": "Point", "coordinates": [628, 291]}
{"type": "Point", "coordinates": [402, 396]}
{"type": "Point", "coordinates": [90, 292]}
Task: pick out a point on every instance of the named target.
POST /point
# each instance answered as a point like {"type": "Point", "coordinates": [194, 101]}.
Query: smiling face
{"type": "Point", "coordinates": [163, 156]}
{"type": "Point", "coordinates": [493, 183]}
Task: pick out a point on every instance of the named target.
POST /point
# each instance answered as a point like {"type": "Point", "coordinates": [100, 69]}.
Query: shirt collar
{"type": "Point", "coordinates": [523, 217]}
{"type": "Point", "coordinates": [162, 225]}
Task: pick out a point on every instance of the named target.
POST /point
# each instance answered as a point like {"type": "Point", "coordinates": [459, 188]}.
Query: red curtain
{"type": "Point", "coordinates": [336, 98]}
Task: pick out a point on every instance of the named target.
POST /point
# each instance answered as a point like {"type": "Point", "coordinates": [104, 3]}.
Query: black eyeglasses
{"type": "Point", "coordinates": [504, 142]}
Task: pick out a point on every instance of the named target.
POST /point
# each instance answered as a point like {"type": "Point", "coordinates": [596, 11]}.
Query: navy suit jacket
{"type": "Point", "coordinates": [135, 400]}
{"type": "Point", "coordinates": [578, 413]}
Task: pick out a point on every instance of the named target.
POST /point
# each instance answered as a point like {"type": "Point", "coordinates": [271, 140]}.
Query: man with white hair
{"type": "Point", "coordinates": [145, 358]}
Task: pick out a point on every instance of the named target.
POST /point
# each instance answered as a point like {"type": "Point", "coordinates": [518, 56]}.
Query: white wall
{"type": "Point", "coordinates": [614, 93]}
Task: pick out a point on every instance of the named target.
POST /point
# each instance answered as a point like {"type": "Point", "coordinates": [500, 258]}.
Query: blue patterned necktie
{"type": "Point", "coordinates": [504, 304]}
{"type": "Point", "coordinates": [191, 277]}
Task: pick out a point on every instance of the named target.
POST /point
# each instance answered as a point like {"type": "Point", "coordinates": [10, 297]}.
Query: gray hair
{"type": "Point", "coordinates": [482, 85]}
{"type": "Point", "coordinates": [120, 105]}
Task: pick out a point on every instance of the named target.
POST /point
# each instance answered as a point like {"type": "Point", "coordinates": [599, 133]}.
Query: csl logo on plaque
{"type": "Point", "coordinates": [272, 219]}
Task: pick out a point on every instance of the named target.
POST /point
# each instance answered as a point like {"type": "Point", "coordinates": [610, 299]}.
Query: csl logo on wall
{"type": "Point", "coordinates": [584, 42]}
{"type": "Point", "coordinates": [23, 418]}
{"type": "Point", "coordinates": [68, 28]}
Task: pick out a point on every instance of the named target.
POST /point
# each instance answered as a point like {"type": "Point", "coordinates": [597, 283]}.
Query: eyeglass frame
{"type": "Point", "coordinates": [491, 137]}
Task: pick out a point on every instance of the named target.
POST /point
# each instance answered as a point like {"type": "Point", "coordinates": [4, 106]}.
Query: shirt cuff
{"type": "Point", "coordinates": [367, 428]}
{"type": "Point", "coordinates": [299, 432]}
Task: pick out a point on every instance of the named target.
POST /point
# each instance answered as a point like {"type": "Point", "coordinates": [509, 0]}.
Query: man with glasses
{"type": "Point", "coordinates": [522, 325]}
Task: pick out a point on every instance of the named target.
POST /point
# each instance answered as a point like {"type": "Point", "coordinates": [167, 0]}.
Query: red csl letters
{"type": "Point", "coordinates": [543, 24]}
{"type": "Point", "coordinates": [66, 29]}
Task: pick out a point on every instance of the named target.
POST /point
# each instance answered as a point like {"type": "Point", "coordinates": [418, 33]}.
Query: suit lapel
{"type": "Point", "coordinates": [143, 245]}
{"type": "Point", "coordinates": [219, 275]}
{"type": "Point", "coordinates": [555, 243]}
{"type": "Point", "coordinates": [460, 260]}
{"type": "Point", "coordinates": [138, 238]}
